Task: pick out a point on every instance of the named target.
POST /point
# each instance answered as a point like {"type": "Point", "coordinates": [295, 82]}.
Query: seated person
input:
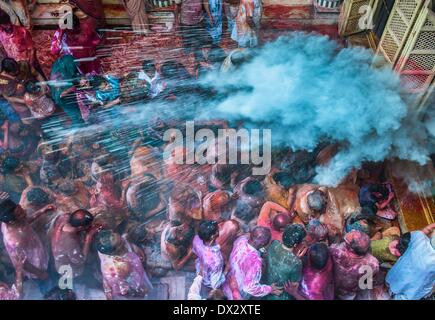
{"type": "Point", "coordinates": [152, 77]}
{"type": "Point", "coordinates": [276, 187]}
{"type": "Point", "coordinates": [413, 275]}
{"type": "Point", "coordinates": [382, 196]}
{"type": "Point", "coordinates": [389, 245]}
{"type": "Point", "coordinates": [107, 90]}
{"type": "Point", "coordinates": [316, 202]}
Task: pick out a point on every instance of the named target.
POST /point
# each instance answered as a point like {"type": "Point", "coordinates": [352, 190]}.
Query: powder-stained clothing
{"type": "Point", "coordinates": [9, 294]}
{"type": "Point", "coordinates": [413, 275]}
{"type": "Point", "coordinates": [381, 250]}
{"type": "Point", "coordinates": [318, 284]}
{"type": "Point", "coordinates": [212, 262]}
{"type": "Point", "coordinates": [215, 28]}
{"type": "Point", "coordinates": [242, 33]}
{"type": "Point", "coordinates": [25, 245]}
{"type": "Point", "coordinates": [246, 269]}
{"type": "Point", "coordinates": [282, 266]}
{"type": "Point", "coordinates": [192, 12]}
{"type": "Point", "coordinates": [18, 44]}
{"type": "Point", "coordinates": [349, 268]}
{"type": "Point", "coordinates": [124, 275]}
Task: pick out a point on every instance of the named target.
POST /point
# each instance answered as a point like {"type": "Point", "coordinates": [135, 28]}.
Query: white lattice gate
{"type": "Point", "coordinates": [416, 64]}
{"type": "Point", "coordinates": [398, 28]}
{"type": "Point", "coordinates": [351, 14]}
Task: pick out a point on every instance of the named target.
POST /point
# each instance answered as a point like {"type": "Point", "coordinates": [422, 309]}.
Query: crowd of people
{"type": "Point", "coordinates": [102, 208]}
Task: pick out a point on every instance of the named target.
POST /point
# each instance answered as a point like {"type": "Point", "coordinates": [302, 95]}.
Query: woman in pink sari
{"type": "Point", "coordinates": [318, 278]}
{"type": "Point", "coordinates": [80, 42]}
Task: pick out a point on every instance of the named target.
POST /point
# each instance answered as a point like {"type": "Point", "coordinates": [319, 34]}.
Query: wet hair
{"type": "Point", "coordinates": [37, 196]}
{"type": "Point", "coordinates": [319, 255]}
{"type": "Point", "coordinates": [293, 235]}
{"type": "Point", "coordinates": [137, 234]}
{"type": "Point", "coordinates": [207, 229]}
{"type": "Point", "coordinates": [185, 240]}
{"type": "Point", "coordinates": [244, 211]}
{"type": "Point", "coordinates": [404, 241]}
{"type": "Point", "coordinates": [280, 221]}
{"type": "Point", "coordinates": [317, 201]}
{"type": "Point", "coordinates": [104, 244]}
{"type": "Point", "coordinates": [81, 218]}
{"type": "Point", "coordinates": [284, 179]}
{"type": "Point", "coordinates": [147, 195]}
{"type": "Point", "coordinates": [260, 237]}
{"type": "Point", "coordinates": [7, 209]}
{"type": "Point", "coordinates": [96, 81]}
{"type": "Point", "coordinates": [9, 164]}
{"type": "Point", "coordinates": [367, 212]}
{"type": "Point", "coordinates": [10, 66]}
{"type": "Point", "coordinates": [252, 187]}
{"type": "Point", "coordinates": [60, 294]}
{"type": "Point", "coordinates": [32, 87]}
{"type": "Point", "coordinates": [148, 65]}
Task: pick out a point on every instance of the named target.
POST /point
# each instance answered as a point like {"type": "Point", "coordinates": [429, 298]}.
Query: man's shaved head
{"type": "Point", "coordinates": [280, 221]}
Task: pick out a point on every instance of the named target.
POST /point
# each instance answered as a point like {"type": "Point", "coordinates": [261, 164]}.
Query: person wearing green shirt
{"type": "Point", "coordinates": [282, 263]}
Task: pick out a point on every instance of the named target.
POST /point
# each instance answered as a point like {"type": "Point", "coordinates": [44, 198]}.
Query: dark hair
{"type": "Point", "coordinates": [368, 212]}
{"type": "Point", "coordinates": [260, 237]}
{"type": "Point", "coordinates": [9, 65]}
{"type": "Point", "coordinates": [404, 241]}
{"type": "Point", "coordinates": [32, 87]}
{"type": "Point", "coordinates": [37, 196]}
{"type": "Point", "coordinates": [4, 18]}
{"type": "Point", "coordinates": [252, 187]}
{"type": "Point", "coordinates": [284, 179]}
{"type": "Point", "coordinates": [81, 218]}
{"type": "Point", "coordinates": [319, 255]}
{"type": "Point", "coordinates": [7, 209]}
{"type": "Point", "coordinates": [96, 81]}
{"type": "Point", "coordinates": [293, 234]}
{"type": "Point", "coordinates": [148, 65]}
{"type": "Point", "coordinates": [60, 294]}
{"type": "Point", "coordinates": [76, 22]}
{"type": "Point", "coordinates": [317, 201]}
{"type": "Point", "coordinates": [103, 242]}
{"type": "Point", "coordinates": [207, 229]}
{"type": "Point", "coordinates": [147, 195]}
{"type": "Point", "coordinates": [185, 240]}
{"type": "Point", "coordinates": [244, 211]}
{"type": "Point", "coordinates": [137, 234]}
{"type": "Point", "coordinates": [379, 188]}
{"type": "Point", "coordinates": [9, 164]}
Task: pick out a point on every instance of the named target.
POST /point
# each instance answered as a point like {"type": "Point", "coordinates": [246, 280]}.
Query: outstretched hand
{"type": "Point", "coordinates": [291, 287]}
